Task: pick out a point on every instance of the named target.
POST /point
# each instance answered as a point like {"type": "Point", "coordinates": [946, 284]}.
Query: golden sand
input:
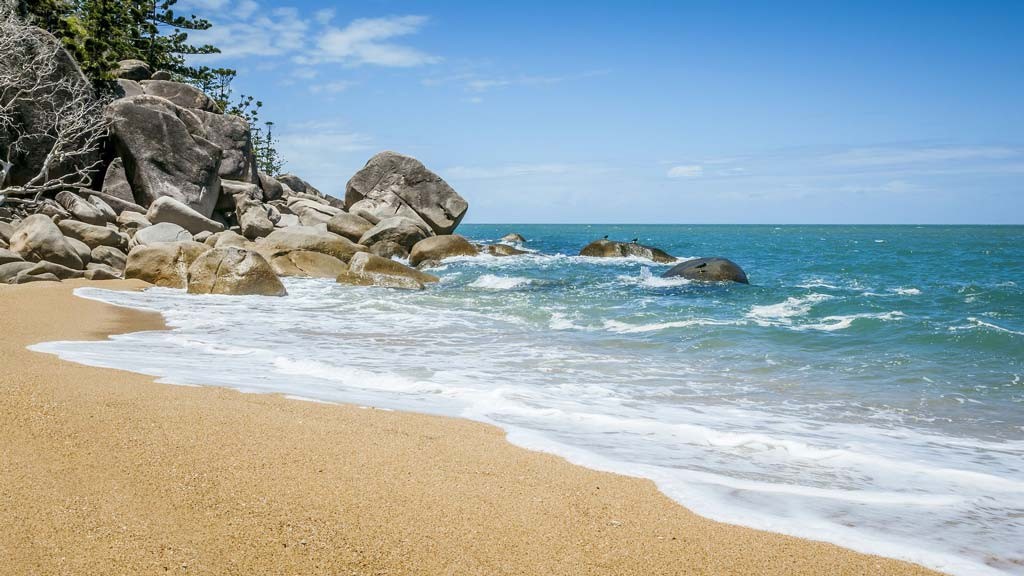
{"type": "Point", "coordinates": [106, 472]}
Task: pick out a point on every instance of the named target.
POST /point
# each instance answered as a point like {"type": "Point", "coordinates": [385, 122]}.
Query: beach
{"type": "Point", "coordinates": [106, 472]}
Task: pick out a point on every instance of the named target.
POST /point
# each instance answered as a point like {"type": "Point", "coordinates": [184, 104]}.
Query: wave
{"type": "Point", "coordinates": [784, 312]}
{"type": "Point", "coordinates": [624, 328]}
{"type": "Point", "coordinates": [977, 323]}
{"type": "Point", "coordinates": [833, 323]}
{"type": "Point", "coordinates": [647, 279]}
{"type": "Point", "coordinates": [492, 282]}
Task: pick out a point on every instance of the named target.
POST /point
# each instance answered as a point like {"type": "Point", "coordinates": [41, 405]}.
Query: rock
{"type": "Point", "coordinates": [81, 248]}
{"type": "Point", "coordinates": [287, 221]}
{"type": "Point", "coordinates": [394, 178]}
{"type": "Point", "coordinates": [272, 189]}
{"type": "Point", "coordinates": [165, 263]}
{"type": "Point", "coordinates": [307, 264]}
{"type": "Point", "coordinates": [513, 238]}
{"type": "Point", "coordinates": [81, 209]}
{"type": "Point", "coordinates": [38, 238]}
{"type": "Point", "coordinates": [298, 184]}
{"type": "Point", "coordinates": [614, 249]}
{"type": "Point", "coordinates": [286, 240]}
{"type": "Point", "coordinates": [11, 269]}
{"type": "Point", "coordinates": [311, 213]}
{"type": "Point", "coordinates": [402, 231]}
{"type": "Point", "coordinates": [167, 209]}
{"type": "Point", "coordinates": [6, 257]}
{"type": "Point", "coordinates": [101, 272]}
{"type": "Point", "coordinates": [115, 183]}
{"type": "Point", "coordinates": [125, 88]}
{"type": "Point", "coordinates": [202, 236]}
{"type": "Point", "coordinates": [389, 249]}
{"type": "Point", "coordinates": [25, 277]}
{"type": "Point", "coordinates": [54, 211]}
{"type": "Point", "coordinates": [437, 248]}
{"type": "Point", "coordinates": [6, 231]}
{"type": "Point", "coordinates": [708, 270]}
{"type": "Point", "coordinates": [109, 214]}
{"type": "Point", "coordinates": [108, 256]}
{"type": "Point", "coordinates": [227, 239]}
{"type": "Point", "coordinates": [386, 205]}
{"type": "Point", "coordinates": [235, 187]}
{"type": "Point", "coordinates": [132, 222]}
{"type": "Point", "coordinates": [133, 70]}
{"type": "Point", "coordinates": [161, 75]}
{"type": "Point", "coordinates": [233, 271]}
{"type": "Point", "coordinates": [371, 270]}
{"type": "Point", "coordinates": [504, 250]}
{"type": "Point", "coordinates": [252, 217]}
{"type": "Point", "coordinates": [61, 272]}
{"type": "Point", "coordinates": [349, 225]}
{"type": "Point", "coordinates": [93, 235]}
{"type": "Point", "coordinates": [165, 152]}
{"type": "Point", "coordinates": [181, 94]}
{"type": "Point", "coordinates": [163, 232]}
{"type": "Point", "coordinates": [232, 134]}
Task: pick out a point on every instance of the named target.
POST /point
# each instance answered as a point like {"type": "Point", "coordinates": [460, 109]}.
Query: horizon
{"type": "Point", "coordinates": [728, 114]}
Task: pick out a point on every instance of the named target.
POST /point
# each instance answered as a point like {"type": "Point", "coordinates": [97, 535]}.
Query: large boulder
{"type": "Point", "coordinates": [232, 134]}
{"type": "Point", "coordinates": [252, 217]}
{"type": "Point", "coordinates": [371, 270]}
{"type": "Point", "coordinates": [82, 209]}
{"type": "Point", "coordinates": [307, 264]}
{"type": "Point", "coordinates": [284, 240]}
{"type": "Point", "coordinates": [181, 94]}
{"type": "Point", "coordinates": [708, 270]}
{"type": "Point", "coordinates": [349, 225]}
{"type": "Point", "coordinates": [163, 232]}
{"type": "Point", "coordinates": [398, 230]}
{"type": "Point", "coordinates": [272, 189]}
{"type": "Point", "coordinates": [6, 231]}
{"type": "Point", "coordinates": [311, 212]}
{"type": "Point", "coordinates": [227, 238]}
{"type": "Point", "coordinates": [38, 238]}
{"type": "Point", "coordinates": [101, 272]}
{"type": "Point", "coordinates": [298, 185]}
{"type": "Point", "coordinates": [6, 256]}
{"type": "Point", "coordinates": [615, 249]}
{"type": "Point", "coordinates": [389, 249]}
{"type": "Point", "coordinates": [165, 152]}
{"type": "Point", "coordinates": [132, 222]}
{"type": "Point", "coordinates": [513, 238]}
{"type": "Point", "coordinates": [167, 209]}
{"type": "Point", "coordinates": [10, 270]}
{"type": "Point", "coordinates": [109, 214]}
{"type": "Point", "coordinates": [115, 183]}
{"type": "Point", "coordinates": [82, 249]}
{"type": "Point", "coordinates": [61, 272]}
{"type": "Point", "coordinates": [233, 271]}
{"type": "Point", "coordinates": [395, 182]}
{"type": "Point", "coordinates": [165, 263]}
{"type": "Point", "coordinates": [436, 248]}
{"type": "Point", "coordinates": [125, 88]}
{"type": "Point", "coordinates": [93, 235]}
{"type": "Point", "coordinates": [108, 256]}
{"type": "Point", "coordinates": [504, 250]}
{"type": "Point", "coordinates": [133, 70]}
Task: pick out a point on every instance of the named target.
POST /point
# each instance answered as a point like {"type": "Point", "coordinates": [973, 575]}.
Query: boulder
{"type": "Point", "coordinates": [231, 133]}
{"type": "Point", "coordinates": [101, 272]}
{"type": "Point", "coordinates": [227, 239]}
{"type": "Point", "coordinates": [284, 240]}
{"type": "Point", "coordinates": [6, 231]}
{"type": "Point", "coordinates": [349, 225]}
{"type": "Point", "coordinates": [38, 238]}
{"type": "Point", "coordinates": [298, 184]}
{"type": "Point", "coordinates": [81, 248]}
{"type": "Point", "coordinates": [61, 272]}
{"type": "Point", "coordinates": [389, 249]}
{"type": "Point", "coordinates": [504, 250]}
{"type": "Point", "coordinates": [109, 214]}
{"type": "Point", "coordinates": [385, 205]}
{"type": "Point", "coordinates": [235, 187]}
{"type": "Point", "coordinates": [437, 248]}
{"type": "Point", "coordinates": [365, 264]}
{"type": "Point", "coordinates": [125, 88]}
{"type": "Point", "coordinates": [10, 270]}
{"type": "Point", "coordinates": [132, 222]}
{"type": "Point", "coordinates": [163, 232]}
{"type": "Point", "coordinates": [167, 209]}
{"type": "Point", "coordinates": [108, 256]}
{"type": "Point", "coordinates": [165, 152]}
{"type": "Point", "coordinates": [708, 270]}
{"type": "Point", "coordinates": [54, 211]}
{"type": "Point", "coordinates": [307, 264]}
{"type": "Point", "coordinates": [81, 209]}
{"type": "Point", "coordinates": [164, 263]}
{"type": "Point", "coordinates": [26, 276]}
{"type": "Point", "coordinates": [93, 235]}
{"type": "Point", "coordinates": [202, 236]}
{"type": "Point", "coordinates": [614, 249]}
{"type": "Point", "coordinates": [133, 70]}
{"type": "Point", "coordinates": [115, 183]}
{"type": "Point", "coordinates": [252, 215]}
{"type": "Point", "coordinates": [287, 221]}
{"type": "Point", "coordinates": [272, 189]}
{"type": "Point", "coordinates": [233, 271]}
{"type": "Point", "coordinates": [513, 238]}
{"type": "Point", "coordinates": [161, 75]}
{"type": "Point", "coordinates": [402, 231]}
{"type": "Point", "coordinates": [311, 213]}
{"type": "Point", "coordinates": [397, 179]}
{"type": "Point", "coordinates": [6, 257]}
{"type": "Point", "coordinates": [183, 95]}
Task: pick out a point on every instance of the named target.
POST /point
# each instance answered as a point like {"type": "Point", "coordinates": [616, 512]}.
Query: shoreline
{"type": "Point", "coordinates": [117, 473]}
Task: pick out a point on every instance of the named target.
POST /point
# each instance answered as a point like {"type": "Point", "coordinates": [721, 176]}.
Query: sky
{"type": "Point", "coordinates": [650, 112]}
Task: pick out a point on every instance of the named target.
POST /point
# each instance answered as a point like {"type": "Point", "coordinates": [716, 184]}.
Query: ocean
{"type": "Point", "coordinates": [865, 389]}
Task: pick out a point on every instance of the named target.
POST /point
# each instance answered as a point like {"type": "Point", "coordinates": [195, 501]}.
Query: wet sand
{"type": "Point", "coordinates": [107, 472]}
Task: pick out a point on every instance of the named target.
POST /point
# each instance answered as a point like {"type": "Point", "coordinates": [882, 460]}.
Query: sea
{"type": "Point", "coordinates": [865, 389]}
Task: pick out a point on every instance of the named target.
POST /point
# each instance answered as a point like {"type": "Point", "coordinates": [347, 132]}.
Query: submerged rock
{"type": "Point", "coordinates": [615, 249]}
{"type": "Point", "coordinates": [504, 250]}
{"type": "Point", "coordinates": [709, 270]}
{"type": "Point", "coordinates": [513, 238]}
{"type": "Point", "coordinates": [437, 248]}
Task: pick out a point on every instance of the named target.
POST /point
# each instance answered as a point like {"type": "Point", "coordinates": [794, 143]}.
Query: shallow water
{"type": "Point", "coordinates": [865, 389]}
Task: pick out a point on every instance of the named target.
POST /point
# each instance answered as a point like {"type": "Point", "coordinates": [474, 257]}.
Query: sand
{"type": "Point", "coordinates": [107, 472]}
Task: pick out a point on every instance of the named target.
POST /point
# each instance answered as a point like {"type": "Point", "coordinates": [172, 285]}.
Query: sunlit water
{"type": "Point", "coordinates": [865, 389]}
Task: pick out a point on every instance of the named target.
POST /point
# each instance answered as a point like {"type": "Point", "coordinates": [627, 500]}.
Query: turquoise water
{"type": "Point", "coordinates": [865, 389]}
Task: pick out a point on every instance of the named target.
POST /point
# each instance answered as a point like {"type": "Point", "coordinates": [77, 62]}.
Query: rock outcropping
{"type": "Point", "coordinates": [708, 270]}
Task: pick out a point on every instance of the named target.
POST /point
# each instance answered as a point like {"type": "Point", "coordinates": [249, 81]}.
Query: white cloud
{"type": "Point", "coordinates": [364, 41]}
{"type": "Point", "coordinates": [522, 170]}
{"type": "Point", "coordinates": [686, 171]}
{"type": "Point", "coordinates": [324, 153]}
{"type": "Point", "coordinates": [331, 87]}
{"type": "Point", "coordinates": [898, 156]}
{"type": "Point", "coordinates": [278, 32]}
{"type": "Point", "coordinates": [324, 16]}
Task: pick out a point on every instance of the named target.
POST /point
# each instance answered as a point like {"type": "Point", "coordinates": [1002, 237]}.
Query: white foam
{"type": "Point", "coordinates": [492, 282]}
{"type": "Point", "coordinates": [833, 323]}
{"type": "Point", "coordinates": [907, 291]}
{"type": "Point", "coordinates": [785, 311]}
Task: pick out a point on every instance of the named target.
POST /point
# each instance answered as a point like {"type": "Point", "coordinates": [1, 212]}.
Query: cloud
{"type": "Point", "coordinates": [324, 153]}
{"type": "Point", "coordinates": [508, 171]}
{"type": "Point", "coordinates": [364, 41]}
{"type": "Point", "coordinates": [686, 171]}
{"type": "Point", "coordinates": [246, 31]}
{"type": "Point", "coordinates": [331, 87]}
{"type": "Point", "coordinates": [866, 157]}
{"type": "Point", "coordinates": [474, 82]}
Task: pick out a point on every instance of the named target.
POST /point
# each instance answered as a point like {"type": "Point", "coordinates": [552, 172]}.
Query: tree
{"type": "Point", "coordinates": [166, 39]}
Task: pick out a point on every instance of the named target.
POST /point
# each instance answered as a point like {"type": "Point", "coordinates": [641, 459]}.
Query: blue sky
{"type": "Point", "coordinates": [690, 112]}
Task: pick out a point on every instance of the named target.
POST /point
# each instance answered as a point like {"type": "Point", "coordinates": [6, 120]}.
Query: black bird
{"type": "Point", "coordinates": [635, 240]}
{"type": "Point", "coordinates": [605, 236]}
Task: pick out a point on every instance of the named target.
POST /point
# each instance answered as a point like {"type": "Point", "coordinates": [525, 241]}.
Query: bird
{"type": "Point", "coordinates": [635, 240]}
{"type": "Point", "coordinates": [605, 236]}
